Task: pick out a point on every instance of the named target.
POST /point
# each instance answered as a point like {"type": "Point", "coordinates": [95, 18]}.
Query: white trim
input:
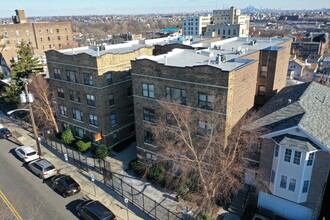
{"type": "Point", "coordinates": [322, 146]}
{"type": "Point", "coordinates": [180, 81]}
{"type": "Point", "coordinates": [277, 133]}
{"type": "Point", "coordinates": [70, 123]}
{"type": "Point", "coordinates": [277, 165]}
{"type": "Point", "coordinates": [145, 150]}
{"type": "Point", "coordinates": [188, 106]}
{"type": "Point", "coordinates": [92, 87]}
{"type": "Point", "coordinates": [87, 67]}
{"type": "Point", "coordinates": [303, 177]}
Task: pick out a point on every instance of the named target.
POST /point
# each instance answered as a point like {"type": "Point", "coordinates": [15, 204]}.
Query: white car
{"type": "Point", "coordinates": [26, 153]}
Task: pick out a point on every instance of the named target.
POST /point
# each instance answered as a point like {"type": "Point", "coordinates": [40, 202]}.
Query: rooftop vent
{"type": "Point", "coordinates": [220, 59]}
{"type": "Point", "coordinates": [253, 42]}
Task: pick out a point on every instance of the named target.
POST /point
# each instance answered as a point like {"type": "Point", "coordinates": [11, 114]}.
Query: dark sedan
{"type": "Point", "coordinates": [5, 133]}
{"type": "Point", "coordinates": [65, 185]}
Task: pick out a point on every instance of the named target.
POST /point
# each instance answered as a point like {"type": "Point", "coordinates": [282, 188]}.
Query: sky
{"type": "Point", "coordinates": [101, 7]}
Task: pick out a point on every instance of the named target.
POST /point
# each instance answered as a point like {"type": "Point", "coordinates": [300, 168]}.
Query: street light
{"type": "Point", "coordinates": [27, 97]}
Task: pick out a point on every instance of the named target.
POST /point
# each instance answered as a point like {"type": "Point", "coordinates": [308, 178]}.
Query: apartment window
{"type": "Point", "coordinates": [71, 76]}
{"type": "Point", "coordinates": [283, 181]}
{"type": "Point", "coordinates": [115, 137]}
{"type": "Point", "coordinates": [57, 73]}
{"type": "Point", "coordinates": [148, 90]}
{"type": "Point", "coordinates": [310, 159]}
{"type": "Point", "coordinates": [296, 158]}
{"type": "Point", "coordinates": [229, 32]}
{"type": "Point", "coordinates": [111, 99]}
{"type": "Point", "coordinates": [149, 115]}
{"type": "Point", "coordinates": [176, 95]}
{"type": "Point", "coordinates": [57, 30]}
{"type": "Point", "coordinates": [93, 120]}
{"type": "Point", "coordinates": [205, 101]}
{"type": "Point", "coordinates": [17, 33]}
{"type": "Point", "coordinates": [74, 96]}
{"type": "Point", "coordinates": [60, 93]}
{"type": "Point", "coordinates": [305, 186]}
{"type": "Point", "coordinates": [204, 128]}
{"type": "Point", "coordinates": [223, 32]}
{"type": "Point", "coordinates": [47, 31]}
{"type": "Point", "coordinates": [148, 137]}
{"type": "Point", "coordinates": [48, 38]}
{"type": "Point", "coordinates": [63, 110]}
{"type": "Point", "coordinates": [6, 34]}
{"type": "Point", "coordinates": [113, 119]}
{"type": "Point", "coordinates": [90, 100]}
{"type": "Point", "coordinates": [263, 71]}
{"type": "Point", "coordinates": [128, 74]}
{"type": "Point", "coordinates": [150, 156]}
{"type": "Point", "coordinates": [276, 150]}
{"type": "Point", "coordinates": [50, 46]}
{"type": "Point", "coordinates": [272, 176]}
{"type": "Point", "coordinates": [88, 79]}
{"type": "Point", "coordinates": [109, 78]}
{"type": "Point", "coordinates": [262, 91]}
{"type": "Point", "coordinates": [41, 39]}
{"type": "Point", "coordinates": [66, 30]}
{"type": "Point", "coordinates": [234, 32]}
{"type": "Point", "coordinates": [287, 156]}
{"type": "Point", "coordinates": [129, 91]}
{"type": "Point", "coordinates": [58, 37]}
{"type": "Point", "coordinates": [78, 115]}
{"type": "Point", "coordinates": [79, 132]}
{"type": "Point", "coordinates": [292, 185]}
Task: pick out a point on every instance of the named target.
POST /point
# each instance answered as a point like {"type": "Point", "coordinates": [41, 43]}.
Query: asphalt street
{"type": "Point", "coordinates": [24, 196]}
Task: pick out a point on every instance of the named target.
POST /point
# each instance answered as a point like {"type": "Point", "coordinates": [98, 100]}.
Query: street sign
{"type": "Point", "coordinates": [92, 177]}
{"type": "Point", "coordinates": [66, 157]}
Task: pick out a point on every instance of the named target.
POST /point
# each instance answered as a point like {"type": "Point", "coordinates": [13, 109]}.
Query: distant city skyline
{"type": "Point", "coordinates": [102, 7]}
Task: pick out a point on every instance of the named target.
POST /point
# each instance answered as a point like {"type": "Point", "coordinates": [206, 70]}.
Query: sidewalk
{"type": "Point", "coordinates": [103, 193]}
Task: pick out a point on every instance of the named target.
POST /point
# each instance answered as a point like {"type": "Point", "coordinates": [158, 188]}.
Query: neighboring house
{"type": "Point", "coordinates": [324, 65]}
{"type": "Point", "coordinates": [244, 75]}
{"type": "Point", "coordinates": [295, 150]}
{"type": "Point", "coordinates": [296, 68]}
{"type": "Point", "coordinates": [311, 43]}
{"type": "Point", "coordinates": [195, 26]}
{"type": "Point", "coordinates": [228, 23]}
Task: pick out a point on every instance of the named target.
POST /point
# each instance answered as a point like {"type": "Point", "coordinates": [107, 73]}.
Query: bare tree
{"type": "Point", "coordinates": [43, 107]}
{"type": "Point", "coordinates": [199, 151]}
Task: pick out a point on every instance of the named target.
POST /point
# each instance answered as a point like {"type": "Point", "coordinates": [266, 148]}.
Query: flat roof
{"type": "Point", "coordinates": [231, 50]}
{"type": "Point", "coordinates": [101, 50]}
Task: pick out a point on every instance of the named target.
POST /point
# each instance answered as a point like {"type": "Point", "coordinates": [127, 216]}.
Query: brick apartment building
{"type": "Point", "coordinates": [41, 36]}
{"type": "Point", "coordinates": [294, 158]}
{"type": "Point", "coordinates": [93, 89]}
{"type": "Point", "coordinates": [245, 72]}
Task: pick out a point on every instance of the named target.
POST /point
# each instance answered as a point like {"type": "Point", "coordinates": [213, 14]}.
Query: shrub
{"type": "Point", "coordinates": [102, 151]}
{"type": "Point", "coordinates": [67, 136]}
{"type": "Point", "coordinates": [83, 146]}
{"type": "Point", "coordinates": [137, 167]}
{"type": "Point", "coordinates": [156, 173]}
{"type": "Point", "coordinates": [206, 216]}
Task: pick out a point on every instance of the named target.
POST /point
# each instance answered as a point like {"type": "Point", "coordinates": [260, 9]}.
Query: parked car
{"type": "Point", "coordinates": [91, 209]}
{"type": "Point", "coordinates": [65, 184]}
{"type": "Point", "coordinates": [26, 153]}
{"type": "Point", "coordinates": [42, 168]}
{"type": "Point", "coordinates": [5, 133]}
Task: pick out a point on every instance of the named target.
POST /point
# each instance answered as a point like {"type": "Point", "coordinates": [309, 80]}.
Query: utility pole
{"type": "Point", "coordinates": [29, 98]}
